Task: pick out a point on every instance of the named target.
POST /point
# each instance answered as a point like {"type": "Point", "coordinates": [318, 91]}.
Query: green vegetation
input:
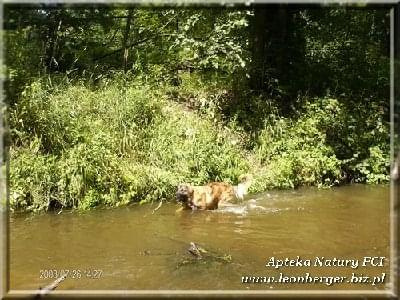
{"type": "Point", "coordinates": [112, 146]}
{"type": "Point", "coordinates": [124, 107]}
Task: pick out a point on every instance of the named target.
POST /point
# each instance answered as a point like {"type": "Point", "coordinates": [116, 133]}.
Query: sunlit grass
{"type": "Point", "coordinates": [133, 142]}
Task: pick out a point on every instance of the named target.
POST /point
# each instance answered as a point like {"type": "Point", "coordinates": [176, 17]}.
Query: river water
{"type": "Point", "coordinates": [137, 248]}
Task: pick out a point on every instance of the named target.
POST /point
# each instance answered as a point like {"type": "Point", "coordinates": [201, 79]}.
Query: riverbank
{"type": "Point", "coordinates": [126, 141]}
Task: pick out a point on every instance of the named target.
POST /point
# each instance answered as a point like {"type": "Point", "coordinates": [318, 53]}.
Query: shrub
{"type": "Point", "coordinates": [112, 146]}
{"type": "Point", "coordinates": [327, 144]}
{"type": "Point", "coordinates": [126, 142]}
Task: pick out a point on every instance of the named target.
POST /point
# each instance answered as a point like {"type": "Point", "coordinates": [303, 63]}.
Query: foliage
{"type": "Point", "coordinates": [297, 152]}
{"type": "Point", "coordinates": [138, 150]}
{"type": "Point", "coordinates": [111, 105]}
{"type": "Point", "coordinates": [223, 49]}
{"type": "Point", "coordinates": [143, 145]}
{"type": "Point", "coordinates": [350, 52]}
{"type": "Point", "coordinates": [326, 145]}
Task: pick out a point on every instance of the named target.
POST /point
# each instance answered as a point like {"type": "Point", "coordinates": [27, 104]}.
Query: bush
{"type": "Point", "coordinates": [327, 144]}
{"type": "Point", "coordinates": [127, 142]}
{"type": "Point", "coordinates": [33, 177]}
{"type": "Point", "coordinates": [112, 146]}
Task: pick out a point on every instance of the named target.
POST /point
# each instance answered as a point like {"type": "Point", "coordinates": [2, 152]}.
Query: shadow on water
{"type": "Point", "coordinates": [136, 249]}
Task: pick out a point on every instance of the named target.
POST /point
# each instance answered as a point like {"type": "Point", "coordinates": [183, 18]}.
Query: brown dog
{"type": "Point", "coordinates": [211, 195]}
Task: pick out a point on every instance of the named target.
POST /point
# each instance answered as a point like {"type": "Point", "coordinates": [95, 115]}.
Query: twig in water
{"type": "Point", "coordinates": [159, 205]}
{"type": "Point", "coordinates": [52, 286]}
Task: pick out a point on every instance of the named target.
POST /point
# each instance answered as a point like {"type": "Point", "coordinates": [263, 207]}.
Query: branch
{"type": "Point", "coordinates": [135, 43]}
{"type": "Point", "coordinates": [121, 49]}
{"type": "Point", "coordinates": [159, 205]}
{"type": "Point", "coordinates": [52, 286]}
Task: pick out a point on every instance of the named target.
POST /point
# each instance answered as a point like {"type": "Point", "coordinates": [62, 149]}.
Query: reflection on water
{"type": "Point", "coordinates": [136, 249]}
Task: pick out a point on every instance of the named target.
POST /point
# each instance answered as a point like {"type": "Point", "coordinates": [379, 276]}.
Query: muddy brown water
{"type": "Point", "coordinates": [132, 248]}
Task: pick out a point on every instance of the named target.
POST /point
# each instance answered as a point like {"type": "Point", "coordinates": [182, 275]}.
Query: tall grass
{"type": "Point", "coordinates": [133, 142]}
{"type": "Point", "coordinates": [112, 146]}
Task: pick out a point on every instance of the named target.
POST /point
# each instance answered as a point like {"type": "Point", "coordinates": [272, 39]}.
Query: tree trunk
{"type": "Point", "coordinates": [125, 40]}
{"type": "Point", "coordinates": [259, 33]}
{"type": "Point", "coordinates": [54, 28]}
{"type": "Point", "coordinates": [269, 45]}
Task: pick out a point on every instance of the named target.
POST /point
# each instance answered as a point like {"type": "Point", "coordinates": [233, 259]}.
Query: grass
{"type": "Point", "coordinates": [133, 142]}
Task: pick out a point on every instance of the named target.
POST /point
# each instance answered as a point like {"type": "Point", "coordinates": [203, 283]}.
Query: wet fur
{"type": "Point", "coordinates": [210, 196]}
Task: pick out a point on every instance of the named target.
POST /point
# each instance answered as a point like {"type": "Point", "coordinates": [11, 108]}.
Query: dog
{"type": "Point", "coordinates": [210, 196]}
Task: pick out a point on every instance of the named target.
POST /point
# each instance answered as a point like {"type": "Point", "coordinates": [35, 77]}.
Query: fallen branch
{"type": "Point", "coordinates": [196, 250]}
{"type": "Point", "coordinates": [52, 286]}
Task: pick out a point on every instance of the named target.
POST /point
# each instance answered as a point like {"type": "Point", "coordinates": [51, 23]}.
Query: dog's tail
{"type": "Point", "coordinates": [245, 181]}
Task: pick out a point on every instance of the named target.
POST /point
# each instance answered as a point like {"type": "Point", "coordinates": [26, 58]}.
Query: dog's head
{"type": "Point", "coordinates": [184, 194]}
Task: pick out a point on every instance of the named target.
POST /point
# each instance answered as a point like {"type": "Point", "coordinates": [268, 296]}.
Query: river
{"type": "Point", "coordinates": [138, 248]}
